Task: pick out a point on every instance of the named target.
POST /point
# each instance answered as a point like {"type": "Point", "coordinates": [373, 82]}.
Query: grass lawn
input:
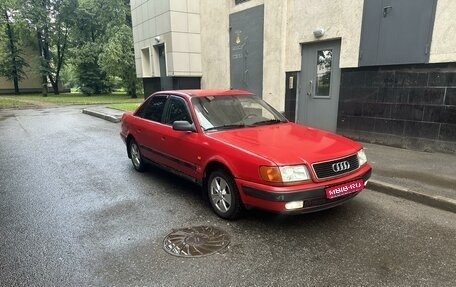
{"type": "Point", "coordinates": [71, 98]}
{"type": "Point", "coordinates": [11, 101]}
{"type": "Point", "coordinates": [124, 106]}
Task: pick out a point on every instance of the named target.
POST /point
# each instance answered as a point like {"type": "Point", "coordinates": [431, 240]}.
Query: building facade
{"type": "Point", "coordinates": [32, 82]}
{"type": "Point", "coordinates": [382, 71]}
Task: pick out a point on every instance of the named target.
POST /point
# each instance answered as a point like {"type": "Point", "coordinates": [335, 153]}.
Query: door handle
{"type": "Point", "coordinates": [310, 88]}
{"type": "Point", "coordinates": [386, 10]}
{"type": "Point", "coordinates": [138, 131]}
{"type": "Point", "coordinates": [246, 76]}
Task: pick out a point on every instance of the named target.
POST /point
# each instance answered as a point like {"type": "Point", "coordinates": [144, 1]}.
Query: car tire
{"type": "Point", "coordinates": [223, 195]}
{"type": "Point", "coordinates": [135, 155]}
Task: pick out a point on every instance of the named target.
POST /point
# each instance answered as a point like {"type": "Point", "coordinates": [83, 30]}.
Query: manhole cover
{"type": "Point", "coordinates": [195, 241]}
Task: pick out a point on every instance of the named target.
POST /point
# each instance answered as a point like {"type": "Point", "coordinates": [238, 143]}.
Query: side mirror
{"type": "Point", "coordinates": [183, 126]}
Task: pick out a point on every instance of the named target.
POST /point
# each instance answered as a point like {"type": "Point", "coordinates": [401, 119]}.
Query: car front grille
{"type": "Point", "coordinates": [329, 169]}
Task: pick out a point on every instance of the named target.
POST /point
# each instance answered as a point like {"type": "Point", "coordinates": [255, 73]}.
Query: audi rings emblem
{"type": "Point", "coordinates": [340, 166]}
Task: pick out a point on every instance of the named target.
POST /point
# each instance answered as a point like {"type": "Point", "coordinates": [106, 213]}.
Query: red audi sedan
{"type": "Point", "coordinates": [243, 152]}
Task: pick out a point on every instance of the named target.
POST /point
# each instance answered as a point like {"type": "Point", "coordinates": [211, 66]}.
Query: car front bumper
{"type": "Point", "coordinates": [313, 196]}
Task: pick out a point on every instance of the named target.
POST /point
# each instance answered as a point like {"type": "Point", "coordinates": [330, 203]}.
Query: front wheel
{"type": "Point", "coordinates": [223, 195]}
{"type": "Point", "coordinates": [136, 158]}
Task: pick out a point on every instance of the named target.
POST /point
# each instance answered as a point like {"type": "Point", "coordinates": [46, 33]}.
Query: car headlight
{"type": "Point", "coordinates": [362, 158]}
{"type": "Point", "coordinates": [288, 173]}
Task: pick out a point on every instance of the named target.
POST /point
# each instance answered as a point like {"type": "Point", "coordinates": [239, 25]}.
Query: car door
{"type": "Point", "coordinates": [183, 148]}
{"type": "Point", "coordinates": [149, 127]}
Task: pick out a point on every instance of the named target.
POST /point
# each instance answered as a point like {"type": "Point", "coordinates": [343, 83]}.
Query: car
{"type": "Point", "coordinates": [243, 153]}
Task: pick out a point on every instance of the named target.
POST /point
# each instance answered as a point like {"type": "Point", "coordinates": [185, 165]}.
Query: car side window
{"type": "Point", "coordinates": [177, 111]}
{"type": "Point", "coordinates": [153, 108]}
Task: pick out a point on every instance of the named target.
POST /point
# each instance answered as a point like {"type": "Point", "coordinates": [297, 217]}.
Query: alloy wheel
{"type": "Point", "coordinates": [136, 158]}
{"type": "Point", "coordinates": [221, 194]}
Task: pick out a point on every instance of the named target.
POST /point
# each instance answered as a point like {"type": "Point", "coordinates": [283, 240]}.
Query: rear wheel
{"type": "Point", "coordinates": [136, 158]}
{"type": "Point", "coordinates": [223, 195]}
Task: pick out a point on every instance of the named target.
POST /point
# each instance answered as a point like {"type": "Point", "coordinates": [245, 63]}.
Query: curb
{"type": "Point", "coordinates": [100, 115]}
{"type": "Point", "coordinates": [395, 190]}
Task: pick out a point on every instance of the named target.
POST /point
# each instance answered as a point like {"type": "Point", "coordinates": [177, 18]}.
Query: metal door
{"type": "Point", "coordinates": [396, 31]}
{"type": "Point", "coordinates": [318, 97]}
{"type": "Point", "coordinates": [246, 49]}
{"type": "Point", "coordinates": [165, 81]}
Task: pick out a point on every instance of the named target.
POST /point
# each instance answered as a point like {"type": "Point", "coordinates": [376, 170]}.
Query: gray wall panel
{"type": "Point", "coordinates": [396, 32]}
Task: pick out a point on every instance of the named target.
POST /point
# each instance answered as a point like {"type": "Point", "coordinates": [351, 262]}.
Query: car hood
{"type": "Point", "coordinates": [288, 143]}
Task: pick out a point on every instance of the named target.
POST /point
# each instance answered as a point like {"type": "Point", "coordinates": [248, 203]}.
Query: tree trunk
{"type": "Point", "coordinates": [16, 86]}
{"type": "Point", "coordinates": [133, 93]}
{"type": "Point", "coordinates": [55, 87]}
{"type": "Point", "coordinates": [130, 84]}
{"type": "Point", "coordinates": [12, 46]}
{"type": "Point", "coordinates": [61, 49]}
{"type": "Point", "coordinates": [44, 89]}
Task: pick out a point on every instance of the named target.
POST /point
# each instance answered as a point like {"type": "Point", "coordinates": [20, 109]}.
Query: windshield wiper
{"type": "Point", "coordinates": [267, 122]}
{"type": "Point", "coordinates": [228, 126]}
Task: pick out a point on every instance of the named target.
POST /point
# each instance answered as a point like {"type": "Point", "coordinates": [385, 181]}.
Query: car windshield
{"type": "Point", "coordinates": [226, 112]}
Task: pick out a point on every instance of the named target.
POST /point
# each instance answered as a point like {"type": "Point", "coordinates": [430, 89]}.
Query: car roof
{"type": "Point", "coordinates": [207, 92]}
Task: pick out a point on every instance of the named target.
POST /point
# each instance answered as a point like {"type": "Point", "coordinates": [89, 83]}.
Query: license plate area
{"type": "Point", "coordinates": [343, 189]}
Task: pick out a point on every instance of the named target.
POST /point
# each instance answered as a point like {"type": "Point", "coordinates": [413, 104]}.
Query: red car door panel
{"type": "Point", "coordinates": [180, 148]}
{"type": "Point", "coordinates": [145, 134]}
{"type": "Point", "coordinates": [148, 129]}
{"type": "Point", "coordinates": [183, 149]}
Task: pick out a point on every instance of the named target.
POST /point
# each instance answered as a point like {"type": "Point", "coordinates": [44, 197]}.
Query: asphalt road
{"type": "Point", "coordinates": [73, 212]}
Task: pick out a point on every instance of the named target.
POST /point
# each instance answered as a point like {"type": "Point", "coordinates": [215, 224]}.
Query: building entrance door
{"type": "Point", "coordinates": [318, 98]}
{"type": "Point", "coordinates": [246, 49]}
{"type": "Point", "coordinates": [165, 81]}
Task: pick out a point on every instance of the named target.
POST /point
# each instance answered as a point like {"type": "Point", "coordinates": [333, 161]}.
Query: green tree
{"type": "Point", "coordinates": [103, 43]}
{"type": "Point", "coordinates": [12, 63]}
{"type": "Point", "coordinates": [118, 58]}
{"type": "Point", "coordinates": [91, 77]}
{"type": "Point", "coordinates": [51, 20]}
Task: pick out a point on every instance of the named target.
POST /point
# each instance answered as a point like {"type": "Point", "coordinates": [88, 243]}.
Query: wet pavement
{"type": "Point", "coordinates": [74, 212]}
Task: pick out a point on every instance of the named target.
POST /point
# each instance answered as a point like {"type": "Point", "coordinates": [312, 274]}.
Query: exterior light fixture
{"type": "Point", "coordinates": [319, 32]}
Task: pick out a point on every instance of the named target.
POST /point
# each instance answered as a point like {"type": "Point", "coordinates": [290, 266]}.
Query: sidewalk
{"type": "Point", "coordinates": [103, 112]}
{"type": "Point", "coordinates": [427, 178]}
